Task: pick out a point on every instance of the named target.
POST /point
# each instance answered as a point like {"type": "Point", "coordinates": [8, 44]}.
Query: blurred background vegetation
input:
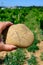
{"type": "Point", "coordinates": [32, 17]}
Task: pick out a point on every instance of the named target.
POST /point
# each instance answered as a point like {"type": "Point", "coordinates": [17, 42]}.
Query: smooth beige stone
{"type": "Point", "coordinates": [18, 35]}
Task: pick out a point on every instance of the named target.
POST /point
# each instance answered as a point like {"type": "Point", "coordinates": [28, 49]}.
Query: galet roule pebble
{"type": "Point", "coordinates": [19, 35]}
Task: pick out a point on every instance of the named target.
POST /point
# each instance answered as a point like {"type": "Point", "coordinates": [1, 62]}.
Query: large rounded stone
{"type": "Point", "coordinates": [18, 35]}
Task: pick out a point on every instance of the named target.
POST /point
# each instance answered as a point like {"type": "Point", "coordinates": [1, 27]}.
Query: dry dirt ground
{"type": "Point", "coordinates": [37, 54]}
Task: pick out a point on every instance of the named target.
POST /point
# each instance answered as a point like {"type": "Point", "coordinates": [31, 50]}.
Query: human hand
{"type": "Point", "coordinates": [5, 47]}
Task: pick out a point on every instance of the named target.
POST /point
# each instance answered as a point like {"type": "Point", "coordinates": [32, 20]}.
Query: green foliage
{"type": "Point", "coordinates": [34, 46]}
{"type": "Point", "coordinates": [15, 58]}
{"type": "Point", "coordinates": [19, 15]}
{"type": "Point", "coordinates": [41, 56]}
{"type": "Point", "coordinates": [32, 60]}
{"type": "Point", "coordinates": [30, 16]}
{"type": "Point", "coordinates": [41, 23]}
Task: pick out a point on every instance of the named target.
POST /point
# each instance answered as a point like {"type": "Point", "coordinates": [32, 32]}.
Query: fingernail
{"type": "Point", "coordinates": [11, 22]}
{"type": "Point", "coordinates": [15, 47]}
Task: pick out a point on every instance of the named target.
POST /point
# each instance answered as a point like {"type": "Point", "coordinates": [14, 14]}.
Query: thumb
{"type": "Point", "coordinates": [9, 47]}
{"type": "Point", "coordinates": [5, 47]}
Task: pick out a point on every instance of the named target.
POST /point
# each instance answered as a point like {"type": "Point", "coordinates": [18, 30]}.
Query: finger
{"type": "Point", "coordinates": [4, 25]}
{"type": "Point", "coordinates": [8, 23]}
{"type": "Point", "coordinates": [9, 47]}
{"type": "Point", "coordinates": [1, 46]}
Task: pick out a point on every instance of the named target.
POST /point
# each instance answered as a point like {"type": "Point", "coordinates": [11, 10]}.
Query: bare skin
{"type": "Point", "coordinates": [5, 47]}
